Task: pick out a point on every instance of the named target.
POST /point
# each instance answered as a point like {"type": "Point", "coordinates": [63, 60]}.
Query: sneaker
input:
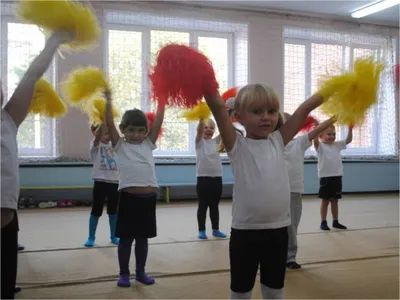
{"type": "Point", "coordinates": [324, 226]}
{"type": "Point", "coordinates": [124, 281]}
{"type": "Point", "coordinates": [219, 234]}
{"type": "Point", "coordinates": [89, 242]}
{"type": "Point", "coordinates": [145, 279]}
{"type": "Point", "coordinates": [337, 225]}
{"type": "Point", "coordinates": [47, 204]}
{"type": "Point", "coordinates": [202, 235]}
{"type": "Point", "coordinates": [293, 265]}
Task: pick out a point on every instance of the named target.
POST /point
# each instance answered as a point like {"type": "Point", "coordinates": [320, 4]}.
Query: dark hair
{"type": "Point", "coordinates": [94, 127]}
{"type": "Point", "coordinates": [133, 117]}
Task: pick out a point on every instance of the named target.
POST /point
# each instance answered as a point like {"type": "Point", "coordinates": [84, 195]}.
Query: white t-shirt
{"type": "Point", "coordinates": [261, 192]}
{"type": "Point", "coordinates": [294, 157]}
{"type": "Point", "coordinates": [330, 160]}
{"type": "Point", "coordinates": [208, 160]}
{"type": "Point", "coordinates": [104, 164]}
{"type": "Point", "coordinates": [9, 162]}
{"type": "Point", "coordinates": [136, 164]}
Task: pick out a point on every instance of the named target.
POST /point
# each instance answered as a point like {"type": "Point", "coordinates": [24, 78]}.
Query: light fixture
{"type": "Point", "coordinates": [374, 8]}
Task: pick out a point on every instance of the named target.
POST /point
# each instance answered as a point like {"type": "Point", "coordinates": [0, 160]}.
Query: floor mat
{"type": "Point", "coordinates": [363, 279]}
{"type": "Point", "coordinates": [38, 268]}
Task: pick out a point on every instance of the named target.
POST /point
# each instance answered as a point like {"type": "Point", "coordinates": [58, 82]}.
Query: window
{"type": "Point", "coordinates": [21, 44]}
{"type": "Point", "coordinates": [133, 41]}
{"type": "Point", "coordinates": [311, 54]}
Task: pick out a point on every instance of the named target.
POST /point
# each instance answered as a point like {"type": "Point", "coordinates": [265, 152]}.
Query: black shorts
{"type": "Point", "coordinates": [249, 249]}
{"type": "Point", "coordinates": [136, 216]}
{"type": "Point", "coordinates": [9, 261]}
{"type": "Point", "coordinates": [330, 188]}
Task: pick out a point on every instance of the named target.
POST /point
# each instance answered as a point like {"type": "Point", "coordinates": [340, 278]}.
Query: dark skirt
{"type": "Point", "coordinates": [136, 216]}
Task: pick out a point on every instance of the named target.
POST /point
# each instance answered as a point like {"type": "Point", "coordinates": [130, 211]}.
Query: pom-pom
{"type": "Point", "coordinates": [66, 15]}
{"type": "Point", "coordinates": [83, 83]}
{"type": "Point", "coordinates": [151, 118]}
{"type": "Point", "coordinates": [96, 110]}
{"type": "Point", "coordinates": [231, 93]}
{"type": "Point", "coordinates": [45, 101]}
{"type": "Point", "coordinates": [349, 96]}
{"type": "Point", "coordinates": [182, 76]}
{"type": "Point", "coordinates": [309, 124]}
{"type": "Point", "coordinates": [200, 112]}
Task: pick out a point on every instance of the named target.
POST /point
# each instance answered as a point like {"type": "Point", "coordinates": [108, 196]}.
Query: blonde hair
{"type": "Point", "coordinates": [250, 94]}
{"type": "Point", "coordinates": [257, 92]}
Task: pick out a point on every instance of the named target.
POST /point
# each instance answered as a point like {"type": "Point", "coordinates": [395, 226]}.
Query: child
{"type": "Point", "coordinates": [105, 176]}
{"type": "Point", "coordinates": [294, 156]}
{"type": "Point", "coordinates": [12, 115]}
{"type": "Point", "coordinates": [261, 192]}
{"type": "Point", "coordinates": [136, 216]}
{"type": "Point", "coordinates": [209, 178]}
{"type": "Point", "coordinates": [330, 172]}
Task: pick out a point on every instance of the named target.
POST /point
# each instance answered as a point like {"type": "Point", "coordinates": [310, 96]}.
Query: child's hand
{"type": "Point", "coordinates": [62, 36]}
{"type": "Point", "coordinates": [107, 94]}
{"type": "Point", "coordinates": [351, 126]}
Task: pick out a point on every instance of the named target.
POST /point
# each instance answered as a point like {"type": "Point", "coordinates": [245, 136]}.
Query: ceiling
{"type": "Point", "coordinates": [340, 9]}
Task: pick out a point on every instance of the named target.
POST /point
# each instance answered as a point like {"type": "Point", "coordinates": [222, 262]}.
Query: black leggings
{"type": "Point", "coordinates": [251, 249]}
{"type": "Point", "coordinates": [101, 190]}
{"type": "Point", "coordinates": [209, 191]}
{"type": "Point", "coordinates": [9, 244]}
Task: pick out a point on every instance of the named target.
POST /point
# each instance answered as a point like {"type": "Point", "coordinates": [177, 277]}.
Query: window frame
{"type": "Point", "coordinates": [50, 149]}
{"type": "Point", "coordinates": [307, 43]}
{"type": "Point", "coordinates": [146, 54]}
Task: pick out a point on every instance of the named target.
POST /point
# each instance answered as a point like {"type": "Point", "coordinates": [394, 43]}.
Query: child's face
{"type": "Point", "coordinates": [258, 119]}
{"type": "Point", "coordinates": [135, 134]}
{"type": "Point", "coordinates": [328, 136]}
{"type": "Point", "coordinates": [105, 137]}
{"type": "Point", "coordinates": [209, 130]}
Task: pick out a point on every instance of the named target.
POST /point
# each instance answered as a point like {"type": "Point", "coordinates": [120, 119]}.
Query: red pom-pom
{"type": "Point", "coordinates": [231, 93]}
{"type": "Point", "coordinates": [151, 118]}
{"type": "Point", "coordinates": [309, 124]}
{"type": "Point", "coordinates": [182, 76]}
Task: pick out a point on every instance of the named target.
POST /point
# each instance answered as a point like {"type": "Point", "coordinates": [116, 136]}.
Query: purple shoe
{"type": "Point", "coordinates": [123, 281]}
{"type": "Point", "coordinates": [145, 279]}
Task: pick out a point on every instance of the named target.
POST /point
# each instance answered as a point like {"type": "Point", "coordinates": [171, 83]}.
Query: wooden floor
{"type": "Point", "coordinates": [360, 263]}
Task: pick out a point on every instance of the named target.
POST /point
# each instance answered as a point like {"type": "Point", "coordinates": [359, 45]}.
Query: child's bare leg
{"type": "Point", "coordinates": [334, 209]}
{"type": "Point", "coordinates": [324, 212]}
{"type": "Point", "coordinates": [335, 214]}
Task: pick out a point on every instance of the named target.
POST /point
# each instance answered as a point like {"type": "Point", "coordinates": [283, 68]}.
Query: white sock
{"type": "Point", "coordinates": [235, 295]}
{"type": "Point", "coordinates": [269, 293]}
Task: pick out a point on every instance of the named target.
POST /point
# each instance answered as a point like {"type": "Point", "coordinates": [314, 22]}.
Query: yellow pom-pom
{"type": "Point", "coordinates": [350, 95]}
{"type": "Point", "coordinates": [96, 109]}
{"type": "Point", "coordinates": [65, 15]}
{"type": "Point", "coordinates": [200, 112]}
{"type": "Point", "coordinates": [46, 102]}
{"type": "Point", "coordinates": [83, 83]}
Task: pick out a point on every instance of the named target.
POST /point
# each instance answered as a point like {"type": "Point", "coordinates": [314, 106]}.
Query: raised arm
{"type": "Point", "coordinates": [112, 130]}
{"type": "Point", "coordinates": [225, 126]}
{"type": "Point", "coordinates": [293, 125]}
{"type": "Point", "coordinates": [98, 134]}
{"type": "Point", "coordinates": [313, 134]}
{"type": "Point", "coordinates": [349, 137]}
{"type": "Point", "coordinates": [18, 105]}
{"type": "Point", "coordinates": [200, 131]}
{"type": "Point", "coordinates": [155, 130]}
